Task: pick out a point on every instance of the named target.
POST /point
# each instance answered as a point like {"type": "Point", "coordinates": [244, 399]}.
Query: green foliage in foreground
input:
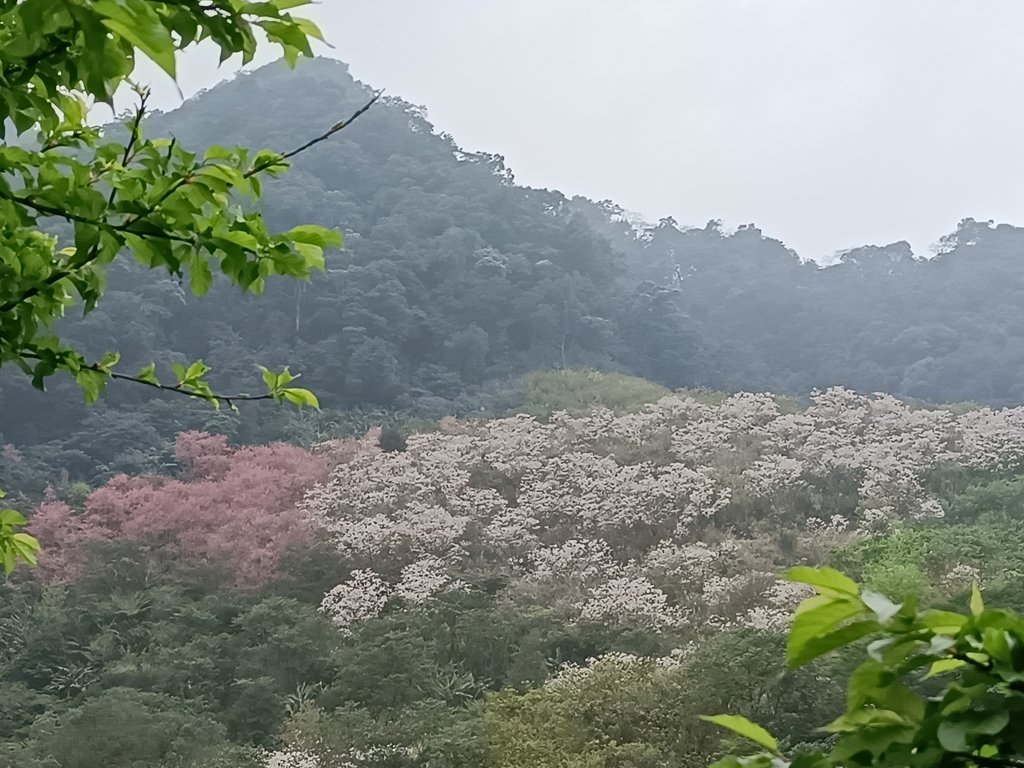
{"type": "Point", "coordinates": [15, 545]}
{"type": "Point", "coordinates": [938, 688]}
{"type": "Point", "coordinates": [107, 194]}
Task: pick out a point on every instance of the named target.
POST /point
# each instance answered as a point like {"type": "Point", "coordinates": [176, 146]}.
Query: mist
{"type": "Point", "coordinates": [829, 125]}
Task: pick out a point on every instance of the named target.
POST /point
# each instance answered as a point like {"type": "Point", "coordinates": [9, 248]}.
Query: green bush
{"type": "Point", "coordinates": [543, 393]}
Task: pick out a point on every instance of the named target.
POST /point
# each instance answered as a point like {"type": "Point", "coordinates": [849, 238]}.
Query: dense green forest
{"type": "Point", "coordinates": [454, 280]}
{"type": "Point", "coordinates": [940, 329]}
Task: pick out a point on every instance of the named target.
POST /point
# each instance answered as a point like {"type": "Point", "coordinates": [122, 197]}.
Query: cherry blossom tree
{"type": "Point", "coordinates": [233, 506]}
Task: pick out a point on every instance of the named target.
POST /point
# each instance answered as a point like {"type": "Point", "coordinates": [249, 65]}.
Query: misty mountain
{"type": "Point", "coordinates": [454, 277]}
{"type": "Point", "coordinates": [940, 329]}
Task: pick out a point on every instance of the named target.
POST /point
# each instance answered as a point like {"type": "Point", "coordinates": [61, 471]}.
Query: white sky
{"type": "Point", "coordinates": [828, 123]}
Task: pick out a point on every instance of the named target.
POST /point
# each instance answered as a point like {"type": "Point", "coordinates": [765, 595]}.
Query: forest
{"type": "Point", "coordinates": [454, 281]}
{"type": "Point", "coordinates": [567, 489]}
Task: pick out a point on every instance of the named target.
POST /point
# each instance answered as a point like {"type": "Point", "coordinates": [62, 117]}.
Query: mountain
{"type": "Point", "coordinates": [455, 279]}
{"type": "Point", "coordinates": [940, 329]}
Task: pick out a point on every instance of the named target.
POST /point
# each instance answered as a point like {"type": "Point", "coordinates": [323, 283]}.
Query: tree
{"type": "Point", "coordinates": [938, 688]}
{"type": "Point", "coordinates": [245, 537]}
{"type": "Point", "coordinates": [122, 728]}
{"type": "Point", "coordinates": [105, 193]}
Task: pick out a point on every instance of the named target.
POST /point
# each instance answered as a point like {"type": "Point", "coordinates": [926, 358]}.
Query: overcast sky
{"type": "Point", "coordinates": [828, 123]}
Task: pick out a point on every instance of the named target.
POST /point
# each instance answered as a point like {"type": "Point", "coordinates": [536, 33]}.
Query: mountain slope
{"type": "Point", "coordinates": [454, 278]}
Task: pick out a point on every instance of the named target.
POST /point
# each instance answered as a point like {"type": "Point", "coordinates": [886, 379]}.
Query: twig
{"type": "Point", "coordinates": [229, 399]}
{"type": "Point", "coordinates": [133, 137]}
{"type": "Point", "coordinates": [178, 390]}
{"type": "Point", "coordinates": [313, 142]}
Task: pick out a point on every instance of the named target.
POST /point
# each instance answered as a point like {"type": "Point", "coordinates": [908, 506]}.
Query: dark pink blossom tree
{"type": "Point", "coordinates": [234, 506]}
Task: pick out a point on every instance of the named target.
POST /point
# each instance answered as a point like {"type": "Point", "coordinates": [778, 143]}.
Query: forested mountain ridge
{"type": "Point", "coordinates": [940, 329]}
{"type": "Point", "coordinates": [454, 278]}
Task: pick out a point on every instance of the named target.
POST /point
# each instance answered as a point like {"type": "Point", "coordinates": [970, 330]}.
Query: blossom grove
{"type": "Point", "coordinates": [649, 518]}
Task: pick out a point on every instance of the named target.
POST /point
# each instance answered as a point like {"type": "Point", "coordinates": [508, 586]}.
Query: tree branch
{"type": "Point", "coordinates": [133, 138]}
{"type": "Point", "coordinates": [56, 277]}
{"type": "Point", "coordinates": [229, 399]}
{"type": "Point", "coordinates": [313, 142]}
{"type": "Point", "coordinates": [985, 667]}
{"type": "Point", "coordinates": [125, 226]}
{"type": "Point", "coordinates": [128, 226]}
{"type": "Point", "coordinates": [28, 65]}
{"type": "Point", "coordinates": [241, 397]}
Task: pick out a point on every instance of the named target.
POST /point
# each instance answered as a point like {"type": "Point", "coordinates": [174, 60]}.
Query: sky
{"type": "Point", "coordinates": [827, 123]}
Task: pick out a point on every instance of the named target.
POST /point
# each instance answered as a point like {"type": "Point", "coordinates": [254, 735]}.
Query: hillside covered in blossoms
{"type": "Point", "coordinates": [432, 598]}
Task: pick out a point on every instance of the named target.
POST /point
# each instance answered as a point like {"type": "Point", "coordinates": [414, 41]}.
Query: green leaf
{"type": "Point", "coordinates": [314, 235]}
{"type": "Point", "coordinates": [91, 382]}
{"type": "Point", "coordinates": [148, 375]}
{"type": "Point", "coordinates": [109, 360]}
{"type": "Point", "coordinates": [952, 735]}
{"type": "Point", "coordinates": [200, 277]}
{"type": "Point", "coordinates": [26, 540]}
{"type": "Point", "coordinates": [300, 397]}
{"type": "Point", "coordinates": [269, 379]}
{"type": "Point", "coordinates": [25, 547]}
{"type": "Point", "coordinates": [854, 721]}
{"type": "Point", "coordinates": [825, 580]}
{"type": "Point", "coordinates": [745, 728]}
{"type": "Point", "coordinates": [12, 517]}
{"type": "Point", "coordinates": [943, 622]}
{"type": "Point", "coordinates": [977, 604]}
{"type": "Point", "coordinates": [142, 26]}
{"type": "Point", "coordinates": [865, 684]}
{"type": "Point", "coordinates": [809, 626]}
{"type": "Point", "coordinates": [799, 654]}
{"type": "Point", "coordinates": [196, 370]}
{"type": "Point", "coordinates": [291, 37]}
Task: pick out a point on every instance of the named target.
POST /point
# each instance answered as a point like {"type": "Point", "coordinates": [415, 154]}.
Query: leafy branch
{"type": "Point", "coordinates": [15, 545]}
{"type": "Point", "coordinates": [130, 225]}
{"type": "Point", "coordinates": [975, 720]}
{"type": "Point", "coordinates": [191, 384]}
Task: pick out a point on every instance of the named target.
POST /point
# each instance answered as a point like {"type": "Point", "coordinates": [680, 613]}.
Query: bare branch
{"type": "Point", "coordinates": [313, 142]}
{"type": "Point", "coordinates": [133, 139]}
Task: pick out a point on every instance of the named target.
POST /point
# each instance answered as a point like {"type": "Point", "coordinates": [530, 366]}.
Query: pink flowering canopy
{"type": "Point", "coordinates": [232, 506]}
